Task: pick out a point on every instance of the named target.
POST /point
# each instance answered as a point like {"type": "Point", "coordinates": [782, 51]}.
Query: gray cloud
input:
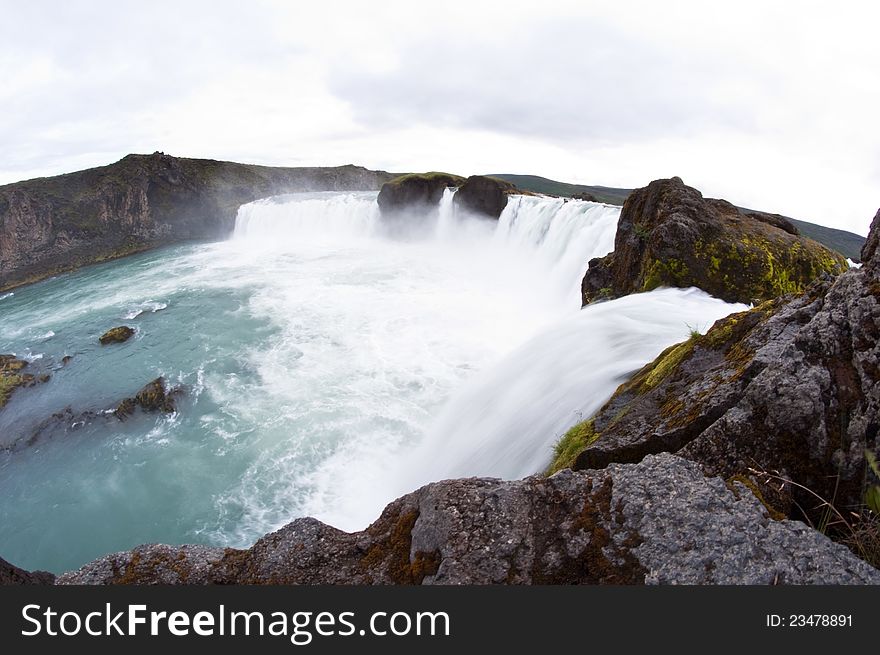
{"type": "Point", "coordinates": [576, 80]}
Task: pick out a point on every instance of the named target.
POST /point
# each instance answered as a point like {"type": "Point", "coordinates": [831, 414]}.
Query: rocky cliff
{"type": "Point", "coordinates": [669, 235]}
{"type": "Point", "coordinates": [49, 225]}
{"type": "Point", "coordinates": [785, 397]}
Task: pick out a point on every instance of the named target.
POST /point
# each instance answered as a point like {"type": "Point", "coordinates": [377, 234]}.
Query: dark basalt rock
{"type": "Point", "coordinates": [657, 522]}
{"type": "Point", "coordinates": [415, 192]}
{"type": "Point", "coordinates": [484, 196]}
{"type": "Point", "coordinates": [776, 220]}
{"type": "Point", "coordinates": [119, 334]}
{"type": "Point", "coordinates": [669, 235]}
{"type": "Point", "coordinates": [790, 389]}
{"type": "Point", "coordinates": [10, 574]}
{"type": "Point", "coordinates": [583, 195]}
{"type": "Point", "coordinates": [151, 398]}
{"type": "Point", "coordinates": [68, 422]}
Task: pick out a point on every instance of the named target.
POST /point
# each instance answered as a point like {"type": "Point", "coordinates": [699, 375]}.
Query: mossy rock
{"type": "Point", "coordinates": [119, 334]}
{"type": "Point", "coordinates": [415, 191]}
{"type": "Point", "coordinates": [573, 442]}
{"type": "Point", "coordinates": [153, 397]}
{"type": "Point", "coordinates": [12, 377]}
{"type": "Point", "coordinates": [668, 235]}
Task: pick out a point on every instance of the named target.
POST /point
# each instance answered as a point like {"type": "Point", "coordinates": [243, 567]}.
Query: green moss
{"type": "Point", "coordinates": [449, 178]}
{"type": "Point", "coordinates": [759, 266]}
{"type": "Point", "coordinates": [669, 273]}
{"type": "Point", "coordinates": [11, 377]}
{"type": "Point", "coordinates": [667, 363]}
{"type": "Point", "coordinates": [750, 484]}
{"type": "Point", "coordinates": [8, 384]}
{"type": "Point", "coordinates": [577, 439]}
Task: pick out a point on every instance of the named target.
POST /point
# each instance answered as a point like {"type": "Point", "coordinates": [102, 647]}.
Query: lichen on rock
{"type": "Point", "coordinates": [669, 235]}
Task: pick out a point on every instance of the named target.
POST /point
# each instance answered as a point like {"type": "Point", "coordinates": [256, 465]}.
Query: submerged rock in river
{"type": "Point", "coordinates": [12, 377]}
{"type": "Point", "coordinates": [153, 397]}
{"type": "Point", "coordinates": [119, 334]}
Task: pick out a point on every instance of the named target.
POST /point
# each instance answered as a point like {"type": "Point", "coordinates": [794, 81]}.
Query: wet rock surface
{"type": "Point", "coordinates": [119, 334]}
{"type": "Point", "coordinates": [14, 375]}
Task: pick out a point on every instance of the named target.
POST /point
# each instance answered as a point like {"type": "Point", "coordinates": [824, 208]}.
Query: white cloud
{"type": "Point", "coordinates": [766, 104]}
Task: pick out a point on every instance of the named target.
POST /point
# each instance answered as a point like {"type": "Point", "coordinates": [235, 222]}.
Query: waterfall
{"type": "Point", "coordinates": [296, 216]}
{"type": "Point", "coordinates": [554, 237]}
{"type": "Point", "coordinates": [556, 363]}
{"type": "Point", "coordinates": [505, 421]}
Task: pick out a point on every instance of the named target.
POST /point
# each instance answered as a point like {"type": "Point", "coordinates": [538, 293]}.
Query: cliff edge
{"type": "Point", "coordinates": [55, 224]}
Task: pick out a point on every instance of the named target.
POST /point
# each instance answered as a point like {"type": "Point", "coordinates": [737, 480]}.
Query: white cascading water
{"type": "Point", "coordinates": [559, 370]}
{"type": "Point", "coordinates": [508, 418]}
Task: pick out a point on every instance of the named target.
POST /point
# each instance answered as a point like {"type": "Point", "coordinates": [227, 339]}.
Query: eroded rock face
{"type": "Point", "coordinates": [657, 522]}
{"type": "Point", "coordinates": [790, 388]}
{"type": "Point", "coordinates": [669, 235]}
{"type": "Point", "coordinates": [54, 224]}
{"type": "Point", "coordinates": [484, 196]}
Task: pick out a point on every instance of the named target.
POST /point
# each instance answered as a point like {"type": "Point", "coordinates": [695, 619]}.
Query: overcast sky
{"type": "Point", "coordinates": [771, 105]}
